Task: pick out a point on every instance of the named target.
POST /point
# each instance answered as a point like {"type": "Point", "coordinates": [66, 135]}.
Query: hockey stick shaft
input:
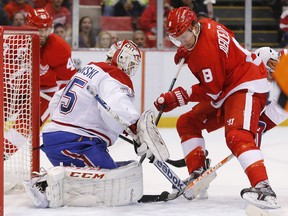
{"type": "Point", "coordinates": [177, 163]}
{"type": "Point", "coordinates": [164, 169]}
{"type": "Point", "coordinates": [170, 89]}
{"type": "Point", "coordinates": [112, 114]}
{"type": "Point", "coordinates": [209, 171]}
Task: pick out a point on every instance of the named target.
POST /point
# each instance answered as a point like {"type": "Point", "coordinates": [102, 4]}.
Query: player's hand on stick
{"type": "Point", "coordinates": [141, 149]}
{"type": "Point", "coordinates": [182, 53]}
{"type": "Point", "coordinates": [171, 100]}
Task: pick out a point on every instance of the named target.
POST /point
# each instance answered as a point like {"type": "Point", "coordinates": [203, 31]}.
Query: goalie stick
{"type": "Point", "coordinates": [192, 189]}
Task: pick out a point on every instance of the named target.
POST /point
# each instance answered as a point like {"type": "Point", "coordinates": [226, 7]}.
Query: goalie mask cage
{"type": "Point", "coordinates": [19, 102]}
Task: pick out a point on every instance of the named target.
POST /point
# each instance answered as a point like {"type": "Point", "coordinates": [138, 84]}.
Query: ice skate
{"type": "Point", "coordinates": [35, 189]}
{"type": "Point", "coordinates": [261, 195]}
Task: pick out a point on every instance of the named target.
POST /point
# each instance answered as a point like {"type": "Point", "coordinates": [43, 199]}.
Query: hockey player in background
{"type": "Point", "coordinates": [56, 64]}
{"type": "Point", "coordinates": [81, 130]}
{"type": "Point", "coordinates": [232, 92]}
{"type": "Point", "coordinates": [273, 114]}
{"type": "Point", "coordinates": [281, 77]}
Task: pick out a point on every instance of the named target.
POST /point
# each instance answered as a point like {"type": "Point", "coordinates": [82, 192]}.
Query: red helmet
{"type": "Point", "coordinates": [39, 18]}
{"type": "Point", "coordinates": [179, 20]}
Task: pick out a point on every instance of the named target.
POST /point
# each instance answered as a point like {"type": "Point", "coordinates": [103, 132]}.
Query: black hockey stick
{"type": "Point", "coordinates": [170, 88]}
{"type": "Point", "coordinates": [177, 163]}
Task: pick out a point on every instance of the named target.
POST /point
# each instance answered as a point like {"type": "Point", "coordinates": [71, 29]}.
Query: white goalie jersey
{"type": "Point", "coordinates": [77, 111]}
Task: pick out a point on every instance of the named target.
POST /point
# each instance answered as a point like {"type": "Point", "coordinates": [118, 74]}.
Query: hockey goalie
{"type": "Point", "coordinates": [76, 139]}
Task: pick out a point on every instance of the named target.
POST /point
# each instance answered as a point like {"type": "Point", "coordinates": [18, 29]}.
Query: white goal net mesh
{"type": "Point", "coordinates": [17, 108]}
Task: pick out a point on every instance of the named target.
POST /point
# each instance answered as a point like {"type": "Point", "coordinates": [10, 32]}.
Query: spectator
{"type": "Point", "coordinates": [107, 7]}
{"type": "Point", "coordinates": [60, 30]}
{"type": "Point", "coordinates": [87, 37]}
{"type": "Point", "coordinates": [148, 22]}
{"type": "Point", "coordinates": [19, 19]}
{"type": "Point", "coordinates": [139, 38]}
{"type": "Point", "coordinates": [114, 36]}
{"type": "Point", "coordinates": [17, 6]}
{"type": "Point", "coordinates": [60, 14]}
{"type": "Point", "coordinates": [284, 26]}
{"type": "Point", "coordinates": [39, 3]}
{"type": "Point", "coordinates": [4, 20]}
{"type": "Point", "coordinates": [128, 8]}
{"type": "Point", "coordinates": [196, 5]}
{"type": "Point", "coordinates": [104, 40]}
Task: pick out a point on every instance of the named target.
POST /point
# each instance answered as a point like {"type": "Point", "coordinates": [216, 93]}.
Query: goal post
{"type": "Point", "coordinates": [19, 106]}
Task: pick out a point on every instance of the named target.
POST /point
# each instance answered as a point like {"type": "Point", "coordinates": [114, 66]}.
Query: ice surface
{"type": "Point", "coordinates": [224, 192]}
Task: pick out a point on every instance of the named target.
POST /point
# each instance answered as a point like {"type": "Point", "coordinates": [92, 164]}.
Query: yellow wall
{"type": "Point", "coordinates": [170, 122]}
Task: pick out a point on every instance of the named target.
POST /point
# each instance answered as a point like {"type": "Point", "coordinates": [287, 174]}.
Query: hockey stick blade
{"type": "Point", "coordinates": [177, 163]}
{"type": "Point", "coordinates": [195, 187]}
{"type": "Point", "coordinates": [163, 197]}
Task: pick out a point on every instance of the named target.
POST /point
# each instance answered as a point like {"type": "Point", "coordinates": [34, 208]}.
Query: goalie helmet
{"type": "Point", "coordinates": [179, 20]}
{"type": "Point", "coordinates": [127, 56]}
{"type": "Point", "coordinates": [266, 53]}
{"type": "Point", "coordinates": [39, 18]}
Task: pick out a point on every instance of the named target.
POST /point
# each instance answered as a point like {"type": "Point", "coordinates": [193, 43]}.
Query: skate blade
{"type": "Point", "coordinates": [270, 202]}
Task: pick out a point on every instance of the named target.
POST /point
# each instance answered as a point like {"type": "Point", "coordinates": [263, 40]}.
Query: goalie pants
{"type": "Point", "coordinates": [240, 116]}
{"type": "Point", "coordinates": [72, 149]}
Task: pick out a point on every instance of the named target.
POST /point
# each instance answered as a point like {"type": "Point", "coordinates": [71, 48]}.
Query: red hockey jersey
{"type": "Point", "coordinates": [223, 66]}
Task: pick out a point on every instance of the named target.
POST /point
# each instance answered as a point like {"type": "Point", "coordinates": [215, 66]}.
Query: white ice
{"type": "Point", "coordinates": [224, 192]}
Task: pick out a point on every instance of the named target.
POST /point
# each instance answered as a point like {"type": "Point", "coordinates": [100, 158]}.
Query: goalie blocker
{"type": "Point", "coordinates": [87, 187]}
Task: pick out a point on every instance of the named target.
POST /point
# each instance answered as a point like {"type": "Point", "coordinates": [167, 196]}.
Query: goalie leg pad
{"type": "Point", "coordinates": [148, 133]}
{"type": "Point", "coordinates": [102, 187]}
{"type": "Point", "coordinates": [54, 190]}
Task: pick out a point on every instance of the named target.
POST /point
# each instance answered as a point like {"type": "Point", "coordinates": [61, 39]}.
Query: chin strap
{"type": "Point", "coordinates": [196, 34]}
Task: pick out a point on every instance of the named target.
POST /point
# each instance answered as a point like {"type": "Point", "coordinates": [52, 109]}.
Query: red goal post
{"type": "Point", "coordinates": [19, 106]}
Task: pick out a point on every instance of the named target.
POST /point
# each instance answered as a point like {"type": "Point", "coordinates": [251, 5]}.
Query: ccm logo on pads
{"type": "Point", "coordinates": [87, 175]}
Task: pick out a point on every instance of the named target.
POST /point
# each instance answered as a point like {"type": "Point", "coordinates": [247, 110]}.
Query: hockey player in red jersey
{"type": "Point", "coordinates": [232, 92]}
{"type": "Point", "coordinates": [56, 65]}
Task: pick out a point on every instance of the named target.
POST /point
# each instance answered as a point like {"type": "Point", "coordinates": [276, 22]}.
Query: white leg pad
{"type": "Point", "coordinates": [54, 191]}
{"type": "Point", "coordinates": [89, 187]}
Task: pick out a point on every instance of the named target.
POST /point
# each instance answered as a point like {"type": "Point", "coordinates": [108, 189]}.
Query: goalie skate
{"type": "Point", "coordinates": [35, 191]}
{"type": "Point", "coordinates": [261, 195]}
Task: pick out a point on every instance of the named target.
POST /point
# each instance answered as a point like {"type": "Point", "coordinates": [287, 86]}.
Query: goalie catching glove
{"type": "Point", "coordinates": [149, 139]}
{"type": "Point", "coordinates": [170, 100]}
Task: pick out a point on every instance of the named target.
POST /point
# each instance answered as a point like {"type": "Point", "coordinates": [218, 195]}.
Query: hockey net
{"type": "Point", "coordinates": [19, 102]}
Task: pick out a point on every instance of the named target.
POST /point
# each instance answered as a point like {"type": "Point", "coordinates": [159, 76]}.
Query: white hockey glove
{"type": "Point", "coordinates": [150, 138]}
{"type": "Point", "coordinates": [142, 149]}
